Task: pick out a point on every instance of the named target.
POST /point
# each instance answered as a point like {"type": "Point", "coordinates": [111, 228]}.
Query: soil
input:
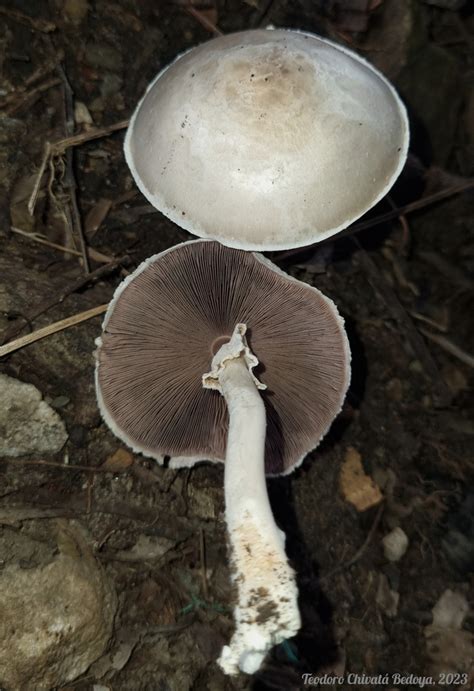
{"type": "Point", "coordinates": [404, 287]}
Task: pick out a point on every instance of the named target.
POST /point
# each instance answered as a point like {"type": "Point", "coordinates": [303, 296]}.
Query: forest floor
{"type": "Point", "coordinates": [404, 286]}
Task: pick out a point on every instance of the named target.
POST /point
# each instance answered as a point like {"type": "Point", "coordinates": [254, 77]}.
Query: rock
{"type": "Point", "coordinates": [449, 647]}
{"type": "Point", "coordinates": [56, 614]}
{"type": "Point", "coordinates": [450, 610]}
{"type": "Point", "coordinates": [82, 115]}
{"type": "Point", "coordinates": [27, 424]}
{"type": "Point", "coordinates": [395, 544]}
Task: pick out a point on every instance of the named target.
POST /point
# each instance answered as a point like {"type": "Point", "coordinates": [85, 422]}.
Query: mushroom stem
{"type": "Point", "coordinates": [267, 610]}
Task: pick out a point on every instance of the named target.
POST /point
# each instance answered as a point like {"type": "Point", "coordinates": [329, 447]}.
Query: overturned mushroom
{"type": "Point", "coordinates": [267, 140]}
{"type": "Point", "coordinates": [180, 310]}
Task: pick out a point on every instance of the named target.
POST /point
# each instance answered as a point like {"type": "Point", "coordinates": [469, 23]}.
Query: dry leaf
{"type": "Point", "coordinates": [119, 461]}
{"type": "Point", "coordinates": [358, 488]}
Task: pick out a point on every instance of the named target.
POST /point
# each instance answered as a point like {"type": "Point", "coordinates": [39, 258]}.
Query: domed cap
{"type": "Point", "coordinates": [168, 319]}
{"type": "Point", "coordinates": [267, 140]}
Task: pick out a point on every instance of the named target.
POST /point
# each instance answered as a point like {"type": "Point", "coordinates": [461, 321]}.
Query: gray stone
{"type": "Point", "coordinates": [56, 617]}
{"type": "Point", "coordinates": [450, 610]}
{"type": "Point", "coordinates": [395, 544]}
{"type": "Point", "coordinates": [27, 423]}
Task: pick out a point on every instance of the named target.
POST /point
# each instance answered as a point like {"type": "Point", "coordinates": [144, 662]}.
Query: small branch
{"type": "Point", "coordinates": [61, 145]}
{"type": "Point", "coordinates": [39, 176]}
{"type": "Point", "coordinates": [382, 218]}
{"type": "Point", "coordinates": [439, 326]}
{"type": "Point", "coordinates": [413, 206]}
{"type": "Point", "coordinates": [72, 288]}
{"type": "Point", "coordinates": [203, 20]}
{"type": "Point", "coordinates": [61, 466]}
{"type": "Point", "coordinates": [35, 23]}
{"type": "Point", "coordinates": [30, 97]}
{"type": "Point", "coordinates": [70, 179]}
{"type": "Point", "coordinates": [36, 237]}
{"type": "Point", "coordinates": [448, 346]}
{"type": "Point", "coordinates": [51, 329]}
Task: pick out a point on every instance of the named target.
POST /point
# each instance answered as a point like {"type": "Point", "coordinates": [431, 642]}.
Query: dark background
{"type": "Point", "coordinates": [404, 287]}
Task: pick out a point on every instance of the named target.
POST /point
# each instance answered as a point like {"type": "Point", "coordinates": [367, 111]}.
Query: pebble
{"type": "Point", "coordinates": [28, 424]}
{"type": "Point", "coordinates": [450, 610]}
{"type": "Point", "coordinates": [395, 544]}
{"type": "Point", "coordinates": [57, 613]}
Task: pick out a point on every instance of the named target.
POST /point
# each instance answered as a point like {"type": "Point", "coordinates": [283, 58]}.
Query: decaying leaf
{"type": "Point", "coordinates": [119, 461]}
{"type": "Point", "coordinates": [358, 488]}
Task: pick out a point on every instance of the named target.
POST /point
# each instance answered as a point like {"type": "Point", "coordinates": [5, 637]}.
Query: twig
{"type": "Point", "coordinates": [72, 288]}
{"type": "Point", "coordinates": [202, 550]}
{"type": "Point", "coordinates": [449, 346]}
{"type": "Point", "coordinates": [51, 329]}
{"type": "Point", "coordinates": [413, 206]}
{"type": "Point", "coordinates": [70, 179]}
{"type": "Point", "coordinates": [40, 506]}
{"type": "Point", "coordinates": [39, 24]}
{"type": "Point", "coordinates": [382, 218]}
{"type": "Point", "coordinates": [39, 177]}
{"type": "Point", "coordinates": [31, 96]}
{"type": "Point", "coordinates": [45, 69]}
{"type": "Point", "coordinates": [347, 565]}
{"type": "Point", "coordinates": [203, 20]}
{"type": "Point", "coordinates": [61, 145]}
{"type": "Point", "coordinates": [406, 328]}
{"type": "Point", "coordinates": [61, 466]}
{"type": "Point", "coordinates": [36, 237]}
{"type": "Point", "coordinates": [439, 326]}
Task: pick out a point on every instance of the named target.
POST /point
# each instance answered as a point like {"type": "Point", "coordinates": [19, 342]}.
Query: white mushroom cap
{"type": "Point", "coordinates": [267, 140]}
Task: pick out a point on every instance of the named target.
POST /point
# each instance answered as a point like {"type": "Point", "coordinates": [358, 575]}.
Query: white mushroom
{"type": "Point", "coordinates": [267, 139]}
{"type": "Point", "coordinates": [175, 314]}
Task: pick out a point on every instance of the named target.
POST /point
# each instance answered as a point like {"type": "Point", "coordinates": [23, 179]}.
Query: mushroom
{"type": "Point", "coordinates": [267, 140]}
{"type": "Point", "coordinates": [192, 308]}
